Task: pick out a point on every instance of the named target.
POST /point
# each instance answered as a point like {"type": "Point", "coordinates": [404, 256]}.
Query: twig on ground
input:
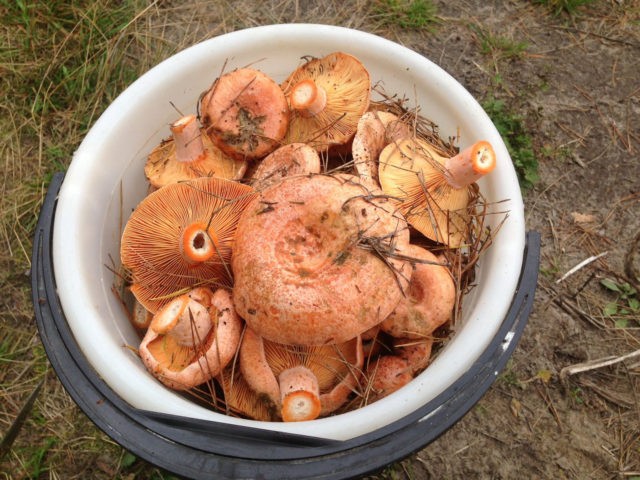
{"type": "Point", "coordinates": [581, 265]}
{"type": "Point", "coordinates": [595, 364]}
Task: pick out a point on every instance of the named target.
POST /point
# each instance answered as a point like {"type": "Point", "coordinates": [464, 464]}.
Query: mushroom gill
{"type": "Point", "coordinates": [327, 97]}
{"type": "Point", "coordinates": [429, 197]}
{"type": "Point", "coordinates": [302, 382]}
{"type": "Point", "coordinates": [180, 236]}
{"type": "Point", "coordinates": [189, 154]}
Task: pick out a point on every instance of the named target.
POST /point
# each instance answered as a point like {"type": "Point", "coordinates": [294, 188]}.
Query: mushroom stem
{"type": "Point", "coordinates": [308, 98]}
{"type": "Point", "coordinates": [334, 399]}
{"type": "Point", "coordinates": [470, 164]}
{"type": "Point", "coordinates": [185, 320]}
{"type": "Point", "coordinates": [300, 394]}
{"type": "Point", "coordinates": [255, 368]}
{"type": "Point", "coordinates": [197, 244]}
{"type": "Point", "coordinates": [187, 139]}
{"type": "Point", "coordinates": [167, 317]}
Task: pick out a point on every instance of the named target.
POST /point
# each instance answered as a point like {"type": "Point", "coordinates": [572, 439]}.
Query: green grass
{"type": "Point", "coordinates": [61, 64]}
{"type": "Point", "coordinates": [407, 14]}
{"type": "Point", "coordinates": [501, 47]}
{"type": "Point", "coordinates": [517, 140]}
{"type": "Point", "coordinates": [559, 7]}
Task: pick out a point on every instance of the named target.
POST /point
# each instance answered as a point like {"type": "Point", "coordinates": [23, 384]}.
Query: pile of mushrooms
{"type": "Point", "coordinates": [293, 254]}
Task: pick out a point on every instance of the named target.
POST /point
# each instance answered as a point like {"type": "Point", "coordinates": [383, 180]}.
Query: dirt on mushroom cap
{"type": "Point", "coordinates": [246, 114]}
{"type": "Point", "coordinates": [313, 260]}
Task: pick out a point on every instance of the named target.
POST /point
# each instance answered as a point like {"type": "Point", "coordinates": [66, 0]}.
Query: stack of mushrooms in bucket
{"type": "Point", "coordinates": [303, 248]}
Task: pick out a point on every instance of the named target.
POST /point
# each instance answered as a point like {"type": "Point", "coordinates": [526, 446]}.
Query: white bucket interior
{"type": "Point", "coordinates": [105, 181]}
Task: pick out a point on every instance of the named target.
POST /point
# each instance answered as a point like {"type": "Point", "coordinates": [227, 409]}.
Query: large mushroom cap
{"type": "Point", "coordinates": [189, 154]}
{"type": "Point", "coordinates": [246, 114]}
{"type": "Point", "coordinates": [313, 260]}
{"type": "Point", "coordinates": [180, 236]}
{"type": "Point", "coordinates": [411, 171]}
{"type": "Point", "coordinates": [188, 342]}
{"type": "Point", "coordinates": [327, 97]}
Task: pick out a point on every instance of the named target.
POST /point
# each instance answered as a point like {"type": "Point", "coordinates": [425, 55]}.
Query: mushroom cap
{"type": "Point", "coordinates": [387, 374]}
{"type": "Point", "coordinates": [414, 173]}
{"type": "Point", "coordinates": [163, 167]}
{"type": "Point", "coordinates": [290, 159]}
{"type": "Point", "coordinates": [152, 241]}
{"type": "Point", "coordinates": [245, 113]}
{"type": "Point", "coordinates": [181, 366]}
{"type": "Point", "coordinates": [429, 301]}
{"type": "Point", "coordinates": [347, 85]}
{"type": "Point", "coordinates": [313, 260]}
{"type": "Point", "coordinates": [376, 129]}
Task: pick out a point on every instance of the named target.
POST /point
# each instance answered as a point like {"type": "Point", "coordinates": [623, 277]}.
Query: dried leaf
{"type": "Point", "coordinates": [544, 375]}
{"type": "Point", "coordinates": [516, 407]}
{"type": "Point", "coordinates": [583, 217]}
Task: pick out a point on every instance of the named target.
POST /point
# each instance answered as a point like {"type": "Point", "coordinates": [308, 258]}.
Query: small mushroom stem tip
{"type": "Point", "coordinates": [197, 244]}
{"type": "Point", "coordinates": [187, 139]}
{"type": "Point", "coordinates": [470, 164]}
{"type": "Point", "coordinates": [300, 394]}
{"type": "Point", "coordinates": [308, 98]}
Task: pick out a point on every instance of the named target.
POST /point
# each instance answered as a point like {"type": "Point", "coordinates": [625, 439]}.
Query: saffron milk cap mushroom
{"type": "Point", "coordinates": [180, 236]}
{"type": "Point", "coordinates": [189, 343]}
{"type": "Point", "coordinates": [302, 382]}
{"type": "Point", "coordinates": [290, 159]}
{"type": "Point", "coordinates": [429, 301]}
{"type": "Point", "coordinates": [375, 130]}
{"type": "Point", "coordinates": [327, 97]}
{"type": "Point", "coordinates": [313, 260]}
{"type": "Point", "coordinates": [245, 113]}
{"type": "Point", "coordinates": [434, 192]}
{"type": "Point", "coordinates": [189, 154]}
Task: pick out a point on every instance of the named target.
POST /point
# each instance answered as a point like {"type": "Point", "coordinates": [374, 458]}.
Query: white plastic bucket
{"type": "Point", "coordinates": [105, 182]}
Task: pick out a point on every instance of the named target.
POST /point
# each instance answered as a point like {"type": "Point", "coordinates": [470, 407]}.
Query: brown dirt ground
{"type": "Point", "coordinates": [577, 90]}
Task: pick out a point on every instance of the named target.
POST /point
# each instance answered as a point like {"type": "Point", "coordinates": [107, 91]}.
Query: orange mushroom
{"type": "Point", "coordinates": [390, 372]}
{"type": "Point", "coordinates": [245, 113]}
{"type": "Point", "coordinates": [434, 192]}
{"type": "Point", "coordinates": [180, 236]}
{"type": "Point", "coordinates": [140, 316]}
{"type": "Point", "coordinates": [313, 260]}
{"type": "Point", "coordinates": [291, 159]}
{"type": "Point", "coordinates": [429, 301]}
{"type": "Point", "coordinates": [241, 400]}
{"type": "Point", "coordinates": [327, 97]}
{"type": "Point", "coordinates": [302, 382]}
{"type": "Point", "coordinates": [375, 130]}
{"type": "Point", "coordinates": [189, 154]}
{"type": "Point", "coordinates": [189, 342]}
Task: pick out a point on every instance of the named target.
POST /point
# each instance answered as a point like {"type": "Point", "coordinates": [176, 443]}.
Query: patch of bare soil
{"type": "Point", "coordinates": [568, 403]}
{"type": "Point", "coordinates": [578, 90]}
